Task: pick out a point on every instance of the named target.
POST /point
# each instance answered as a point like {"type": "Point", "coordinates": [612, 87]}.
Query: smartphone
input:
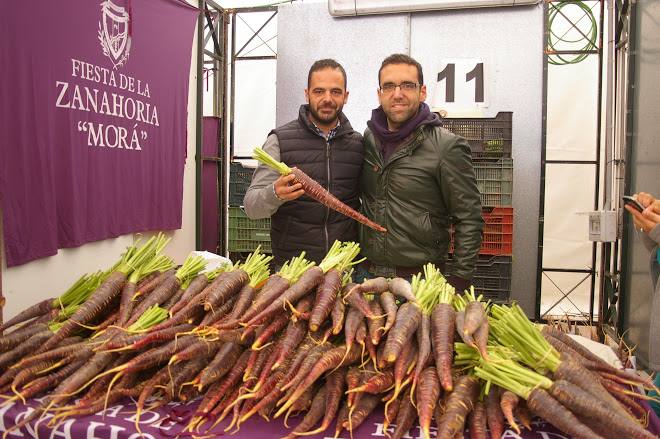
{"type": "Point", "coordinates": [630, 201]}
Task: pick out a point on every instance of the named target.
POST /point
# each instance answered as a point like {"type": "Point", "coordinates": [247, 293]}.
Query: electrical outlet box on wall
{"type": "Point", "coordinates": [602, 226]}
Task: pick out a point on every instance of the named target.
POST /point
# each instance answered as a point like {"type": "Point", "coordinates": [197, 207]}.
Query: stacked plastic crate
{"type": "Point", "coordinates": [245, 234]}
{"type": "Point", "coordinates": [490, 141]}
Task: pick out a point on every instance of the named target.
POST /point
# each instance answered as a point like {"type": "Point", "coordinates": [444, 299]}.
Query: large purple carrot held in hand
{"type": "Point", "coordinates": [314, 190]}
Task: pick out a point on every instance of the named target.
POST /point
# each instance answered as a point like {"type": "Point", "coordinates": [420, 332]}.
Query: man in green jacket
{"type": "Point", "coordinates": [416, 181]}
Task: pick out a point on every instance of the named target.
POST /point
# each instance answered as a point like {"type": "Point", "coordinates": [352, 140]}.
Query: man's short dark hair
{"type": "Point", "coordinates": [323, 64]}
{"type": "Point", "coordinates": [400, 58]}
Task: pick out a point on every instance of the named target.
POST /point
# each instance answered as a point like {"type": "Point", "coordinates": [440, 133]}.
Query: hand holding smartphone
{"type": "Point", "coordinates": [630, 201]}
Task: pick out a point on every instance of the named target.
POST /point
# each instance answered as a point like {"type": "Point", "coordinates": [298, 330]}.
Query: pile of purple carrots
{"type": "Point", "coordinates": [306, 340]}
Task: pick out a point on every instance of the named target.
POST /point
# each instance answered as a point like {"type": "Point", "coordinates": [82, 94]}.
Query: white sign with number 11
{"type": "Point", "coordinates": [460, 86]}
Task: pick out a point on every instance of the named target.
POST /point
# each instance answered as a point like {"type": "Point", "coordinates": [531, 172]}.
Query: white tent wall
{"type": "Point", "coordinates": [255, 104]}
{"type": "Point", "coordinates": [508, 40]}
{"type": "Point", "coordinates": [29, 283]}
{"type": "Point", "coordinates": [570, 135]}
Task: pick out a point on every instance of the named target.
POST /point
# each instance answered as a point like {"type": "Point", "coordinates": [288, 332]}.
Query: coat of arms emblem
{"type": "Point", "coordinates": [113, 33]}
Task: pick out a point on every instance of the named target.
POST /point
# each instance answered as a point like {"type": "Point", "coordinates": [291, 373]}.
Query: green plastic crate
{"type": "Point", "coordinates": [249, 234]}
{"type": "Point", "coordinates": [246, 234]}
{"type": "Point", "coordinates": [249, 246]}
{"type": "Point", "coordinates": [495, 181]}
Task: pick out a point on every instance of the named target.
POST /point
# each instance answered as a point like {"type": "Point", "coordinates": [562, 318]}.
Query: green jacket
{"type": "Point", "coordinates": [427, 184]}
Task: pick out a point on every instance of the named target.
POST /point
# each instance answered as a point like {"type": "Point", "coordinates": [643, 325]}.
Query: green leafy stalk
{"type": "Point", "coordinates": [71, 293]}
{"type": "Point", "coordinates": [161, 242]}
{"type": "Point", "coordinates": [213, 274]}
{"type": "Point", "coordinates": [64, 314]}
{"type": "Point", "coordinates": [350, 250]}
{"type": "Point", "coordinates": [293, 269]}
{"type": "Point", "coordinates": [186, 283]}
{"type": "Point", "coordinates": [55, 326]}
{"type": "Point", "coordinates": [511, 327]}
{"type": "Point", "coordinates": [255, 264]}
{"type": "Point", "coordinates": [467, 355]}
{"type": "Point", "coordinates": [130, 251]}
{"type": "Point", "coordinates": [460, 302]}
{"type": "Point", "coordinates": [341, 256]}
{"type": "Point", "coordinates": [80, 290]}
{"type": "Point", "coordinates": [347, 278]}
{"type": "Point", "coordinates": [511, 376]}
{"type": "Point", "coordinates": [447, 294]}
{"type": "Point", "coordinates": [191, 267]}
{"type": "Point", "coordinates": [469, 296]}
{"type": "Point", "coordinates": [265, 158]}
{"type": "Point", "coordinates": [333, 257]}
{"type": "Point", "coordinates": [429, 289]}
{"type": "Point", "coordinates": [134, 259]}
{"type": "Point", "coordinates": [259, 276]}
{"type": "Point", "coordinates": [210, 275]}
{"type": "Point", "coordinates": [421, 287]}
{"type": "Point", "coordinates": [158, 263]}
{"type": "Point", "coordinates": [151, 317]}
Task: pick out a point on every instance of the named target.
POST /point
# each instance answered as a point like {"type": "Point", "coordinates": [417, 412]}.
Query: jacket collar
{"type": "Point", "coordinates": [408, 145]}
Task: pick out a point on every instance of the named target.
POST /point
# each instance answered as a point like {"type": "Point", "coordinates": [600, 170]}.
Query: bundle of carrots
{"type": "Point", "coordinates": [307, 340]}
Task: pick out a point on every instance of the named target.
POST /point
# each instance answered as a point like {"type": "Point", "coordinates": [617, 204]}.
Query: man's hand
{"type": "Point", "coordinates": [286, 190]}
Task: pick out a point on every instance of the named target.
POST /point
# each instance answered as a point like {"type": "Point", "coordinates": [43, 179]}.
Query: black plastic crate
{"type": "Point", "coordinates": [240, 178]}
{"type": "Point", "coordinates": [492, 277]}
{"type": "Point", "coordinates": [489, 138]}
{"type": "Point", "coordinates": [240, 173]}
{"type": "Point", "coordinates": [237, 193]}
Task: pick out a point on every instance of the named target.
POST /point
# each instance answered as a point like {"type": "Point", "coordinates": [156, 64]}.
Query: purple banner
{"type": "Point", "coordinates": [93, 117]}
{"type": "Point", "coordinates": [118, 422]}
{"type": "Point", "coordinates": [210, 209]}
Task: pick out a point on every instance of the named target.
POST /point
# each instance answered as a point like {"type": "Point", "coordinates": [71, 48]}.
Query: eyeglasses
{"type": "Point", "coordinates": [405, 86]}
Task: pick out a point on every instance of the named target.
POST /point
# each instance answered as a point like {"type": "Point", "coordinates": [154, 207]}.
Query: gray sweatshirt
{"type": "Point", "coordinates": [652, 242]}
{"type": "Point", "coordinates": [260, 200]}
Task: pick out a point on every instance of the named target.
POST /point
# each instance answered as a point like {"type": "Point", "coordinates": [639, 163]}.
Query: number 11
{"type": "Point", "coordinates": [449, 73]}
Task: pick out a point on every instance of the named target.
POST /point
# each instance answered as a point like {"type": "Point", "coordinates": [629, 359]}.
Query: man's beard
{"type": "Point", "coordinates": [325, 118]}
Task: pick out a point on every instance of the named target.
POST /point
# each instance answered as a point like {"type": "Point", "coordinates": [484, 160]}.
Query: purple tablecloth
{"type": "Point", "coordinates": [117, 422]}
